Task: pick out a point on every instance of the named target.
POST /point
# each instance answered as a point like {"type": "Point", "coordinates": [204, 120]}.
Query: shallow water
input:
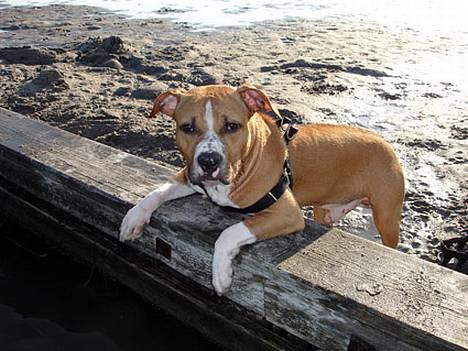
{"type": "Point", "coordinates": [426, 15]}
{"type": "Point", "coordinates": [48, 302]}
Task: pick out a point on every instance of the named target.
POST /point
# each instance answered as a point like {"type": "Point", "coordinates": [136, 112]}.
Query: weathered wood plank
{"type": "Point", "coordinates": [423, 291]}
{"type": "Point", "coordinates": [194, 305]}
{"type": "Point", "coordinates": [322, 286]}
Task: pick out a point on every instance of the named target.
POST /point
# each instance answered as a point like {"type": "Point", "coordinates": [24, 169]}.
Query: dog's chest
{"type": "Point", "coordinates": [218, 193]}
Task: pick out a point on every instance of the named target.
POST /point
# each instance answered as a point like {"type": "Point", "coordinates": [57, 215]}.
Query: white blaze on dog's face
{"type": "Point", "coordinates": [212, 131]}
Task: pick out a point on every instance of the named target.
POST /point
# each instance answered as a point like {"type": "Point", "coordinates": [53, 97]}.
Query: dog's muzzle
{"type": "Point", "coordinates": [209, 166]}
{"type": "Point", "coordinates": [210, 162]}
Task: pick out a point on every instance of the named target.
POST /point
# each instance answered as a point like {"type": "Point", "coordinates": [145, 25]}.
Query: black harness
{"type": "Point", "coordinates": [288, 130]}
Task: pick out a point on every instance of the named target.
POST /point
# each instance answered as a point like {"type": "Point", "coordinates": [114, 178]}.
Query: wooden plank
{"type": "Point", "coordinates": [217, 318]}
{"type": "Point", "coordinates": [323, 286]}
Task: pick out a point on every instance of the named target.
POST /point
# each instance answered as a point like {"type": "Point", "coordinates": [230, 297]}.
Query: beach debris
{"type": "Point", "coordinates": [454, 250]}
{"type": "Point", "coordinates": [371, 288]}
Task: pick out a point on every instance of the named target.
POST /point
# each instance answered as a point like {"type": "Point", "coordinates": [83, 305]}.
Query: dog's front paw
{"type": "Point", "coordinates": [226, 248]}
{"type": "Point", "coordinates": [133, 223]}
{"type": "Point", "coordinates": [222, 272]}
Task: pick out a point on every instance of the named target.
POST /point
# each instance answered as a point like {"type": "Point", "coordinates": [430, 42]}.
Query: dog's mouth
{"type": "Point", "coordinates": [198, 176]}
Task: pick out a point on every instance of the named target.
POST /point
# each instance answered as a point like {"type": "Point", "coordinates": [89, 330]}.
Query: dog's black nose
{"type": "Point", "coordinates": [209, 161]}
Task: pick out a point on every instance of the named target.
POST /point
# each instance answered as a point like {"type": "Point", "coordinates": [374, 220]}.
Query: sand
{"type": "Point", "coordinates": [95, 73]}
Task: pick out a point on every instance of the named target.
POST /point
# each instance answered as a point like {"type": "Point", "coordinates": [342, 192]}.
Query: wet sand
{"type": "Point", "coordinates": [95, 74]}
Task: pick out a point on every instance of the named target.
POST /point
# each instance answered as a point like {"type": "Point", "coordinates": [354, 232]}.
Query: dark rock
{"type": "Point", "coordinates": [388, 96]}
{"type": "Point", "coordinates": [268, 68]}
{"type": "Point", "coordinates": [100, 69]}
{"type": "Point", "coordinates": [11, 27]}
{"type": "Point", "coordinates": [179, 85]}
{"type": "Point", "coordinates": [323, 87]}
{"type": "Point", "coordinates": [459, 133]}
{"type": "Point", "coordinates": [334, 67]}
{"type": "Point", "coordinates": [172, 76]}
{"type": "Point", "coordinates": [123, 91]}
{"type": "Point", "coordinates": [166, 10]}
{"type": "Point", "coordinates": [200, 77]}
{"type": "Point", "coordinates": [366, 71]}
{"type": "Point", "coordinates": [428, 144]}
{"type": "Point", "coordinates": [144, 94]}
{"type": "Point", "coordinates": [51, 80]}
{"type": "Point", "coordinates": [432, 95]}
{"type": "Point", "coordinates": [328, 112]}
{"type": "Point", "coordinates": [153, 70]}
{"type": "Point", "coordinates": [28, 56]}
{"type": "Point", "coordinates": [93, 27]}
{"type": "Point", "coordinates": [233, 80]}
{"type": "Point", "coordinates": [292, 115]}
{"type": "Point", "coordinates": [298, 63]}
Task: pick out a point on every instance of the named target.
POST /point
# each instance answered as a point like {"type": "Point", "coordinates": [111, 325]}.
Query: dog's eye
{"type": "Point", "coordinates": [188, 128]}
{"type": "Point", "coordinates": [231, 127]}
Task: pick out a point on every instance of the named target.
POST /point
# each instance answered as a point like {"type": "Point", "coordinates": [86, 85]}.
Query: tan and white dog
{"type": "Point", "coordinates": [235, 152]}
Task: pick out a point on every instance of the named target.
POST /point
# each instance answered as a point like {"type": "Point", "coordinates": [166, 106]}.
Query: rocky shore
{"type": "Point", "coordinates": [95, 73]}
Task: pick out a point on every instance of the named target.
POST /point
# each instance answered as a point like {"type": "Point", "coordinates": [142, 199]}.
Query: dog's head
{"type": "Point", "coordinates": [212, 127]}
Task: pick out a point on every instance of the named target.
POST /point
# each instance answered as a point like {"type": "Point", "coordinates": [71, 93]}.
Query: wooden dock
{"type": "Point", "coordinates": [321, 289]}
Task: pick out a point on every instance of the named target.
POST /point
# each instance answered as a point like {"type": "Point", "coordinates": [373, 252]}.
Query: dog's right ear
{"type": "Point", "coordinates": [166, 102]}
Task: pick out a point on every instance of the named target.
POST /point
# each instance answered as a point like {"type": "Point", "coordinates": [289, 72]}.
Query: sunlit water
{"type": "Point", "coordinates": [428, 15]}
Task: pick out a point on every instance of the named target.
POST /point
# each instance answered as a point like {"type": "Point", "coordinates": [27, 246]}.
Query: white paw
{"type": "Point", "coordinates": [222, 272]}
{"type": "Point", "coordinates": [133, 223]}
{"type": "Point", "coordinates": [226, 248]}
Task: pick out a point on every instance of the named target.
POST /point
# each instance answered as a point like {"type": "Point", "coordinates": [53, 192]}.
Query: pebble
{"type": "Point", "coordinates": [113, 63]}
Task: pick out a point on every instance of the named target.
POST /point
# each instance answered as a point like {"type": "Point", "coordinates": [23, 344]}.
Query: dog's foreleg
{"type": "Point", "coordinates": [283, 217]}
{"type": "Point", "coordinates": [226, 248]}
{"type": "Point", "coordinates": [135, 219]}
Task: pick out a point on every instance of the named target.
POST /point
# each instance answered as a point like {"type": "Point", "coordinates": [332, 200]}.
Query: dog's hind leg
{"type": "Point", "coordinates": [332, 213]}
{"type": "Point", "coordinates": [387, 216]}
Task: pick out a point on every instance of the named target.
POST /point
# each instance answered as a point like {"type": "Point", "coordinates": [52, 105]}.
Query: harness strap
{"type": "Point", "coordinates": [289, 131]}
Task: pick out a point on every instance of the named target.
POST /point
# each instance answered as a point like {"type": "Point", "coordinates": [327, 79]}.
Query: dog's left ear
{"type": "Point", "coordinates": [255, 99]}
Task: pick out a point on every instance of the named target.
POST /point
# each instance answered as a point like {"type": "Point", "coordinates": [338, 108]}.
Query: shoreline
{"type": "Point", "coordinates": [337, 71]}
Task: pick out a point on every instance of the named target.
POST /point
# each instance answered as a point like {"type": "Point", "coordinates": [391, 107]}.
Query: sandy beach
{"type": "Point", "coordinates": [95, 73]}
